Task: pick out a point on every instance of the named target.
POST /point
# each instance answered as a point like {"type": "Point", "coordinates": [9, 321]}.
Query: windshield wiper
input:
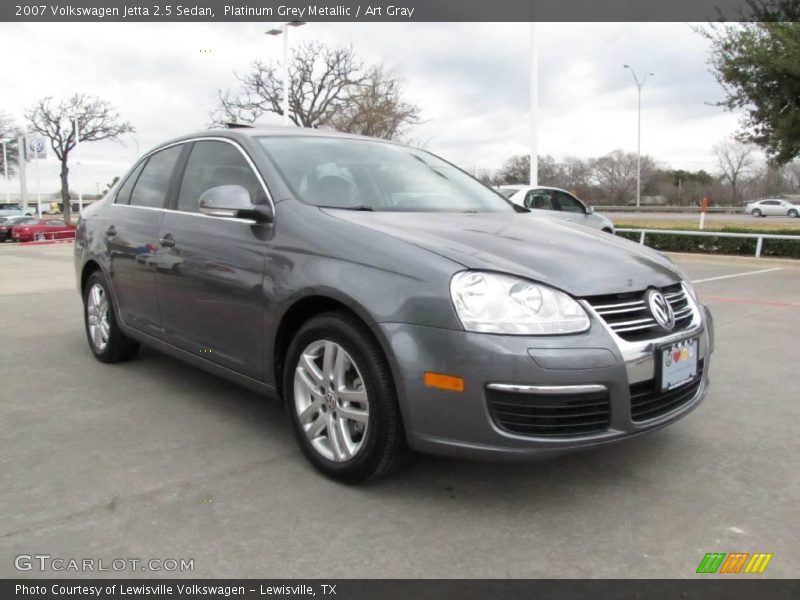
{"type": "Point", "coordinates": [356, 207]}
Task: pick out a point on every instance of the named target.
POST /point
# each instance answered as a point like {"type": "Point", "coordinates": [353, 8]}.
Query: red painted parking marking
{"type": "Point", "coordinates": [757, 302]}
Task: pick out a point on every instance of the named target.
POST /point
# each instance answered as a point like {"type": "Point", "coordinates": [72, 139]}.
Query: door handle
{"type": "Point", "coordinates": [167, 241]}
{"type": "Point", "coordinates": [111, 231]}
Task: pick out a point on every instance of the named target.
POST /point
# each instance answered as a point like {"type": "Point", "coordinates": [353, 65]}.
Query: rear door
{"type": "Point", "coordinates": [210, 276]}
{"type": "Point", "coordinates": [131, 234]}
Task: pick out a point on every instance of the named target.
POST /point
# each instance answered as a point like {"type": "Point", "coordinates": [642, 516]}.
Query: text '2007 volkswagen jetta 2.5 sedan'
{"type": "Point", "coordinates": [390, 300]}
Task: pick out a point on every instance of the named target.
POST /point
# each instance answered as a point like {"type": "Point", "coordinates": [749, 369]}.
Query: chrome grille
{"type": "Point", "coordinates": [629, 316]}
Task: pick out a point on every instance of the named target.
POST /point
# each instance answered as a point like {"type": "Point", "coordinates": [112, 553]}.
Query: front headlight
{"type": "Point", "coordinates": [495, 303]}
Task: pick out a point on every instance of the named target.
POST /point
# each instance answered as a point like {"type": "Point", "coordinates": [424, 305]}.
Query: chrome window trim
{"type": "Point", "coordinates": [233, 143]}
{"type": "Point", "coordinates": [546, 389]}
{"type": "Point", "coordinates": [190, 214]}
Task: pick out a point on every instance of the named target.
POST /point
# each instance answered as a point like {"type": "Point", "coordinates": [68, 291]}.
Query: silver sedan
{"type": "Point", "coordinates": [558, 203]}
{"type": "Point", "coordinates": [773, 207]}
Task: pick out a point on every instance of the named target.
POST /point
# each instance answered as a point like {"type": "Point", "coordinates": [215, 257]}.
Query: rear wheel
{"type": "Point", "coordinates": [793, 213]}
{"type": "Point", "coordinates": [342, 401]}
{"type": "Point", "coordinates": [106, 339]}
{"type": "Point", "coordinates": [756, 212]}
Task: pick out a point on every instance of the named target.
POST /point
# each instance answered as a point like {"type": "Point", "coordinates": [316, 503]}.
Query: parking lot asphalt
{"type": "Point", "coordinates": [156, 459]}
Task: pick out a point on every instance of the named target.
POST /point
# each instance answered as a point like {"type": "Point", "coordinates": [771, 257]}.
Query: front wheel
{"type": "Point", "coordinates": [106, 339]}
{"type": "Point", "coordinates": [793, 214]}
{"type": "Point", "coordinates": [342, 401]}
{"type": "Point", "coordinates": [756, 212]}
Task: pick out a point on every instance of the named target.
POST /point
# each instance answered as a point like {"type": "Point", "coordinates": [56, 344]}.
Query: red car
{"type": "Point", "coordinates": [42, 229]}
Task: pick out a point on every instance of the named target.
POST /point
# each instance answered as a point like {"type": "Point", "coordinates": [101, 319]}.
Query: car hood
{"type": "Point", "coordinates": [578, 260]}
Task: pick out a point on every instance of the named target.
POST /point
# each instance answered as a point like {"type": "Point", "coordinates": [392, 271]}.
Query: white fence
{"type": "Point", "coordinates": [759, 237]}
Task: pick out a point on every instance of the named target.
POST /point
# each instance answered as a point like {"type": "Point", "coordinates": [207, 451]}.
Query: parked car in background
{"type": "Point", "coordinates": [559, 203]}
{"type": "Point", "coordinates": [773, 207]}
{"type": "Point", "coordinates": [42, 229]}
{"type": "Point", "coordinates": [14, 210]}
{"type": "Point", "coordinates": [10, 222]}
{"type": "Point", "coordinates": [390, 300]}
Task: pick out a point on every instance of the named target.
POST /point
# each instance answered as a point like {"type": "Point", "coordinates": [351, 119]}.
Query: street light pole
{"type": "Point", "coordinates": [534, 99]}
{"type": "Point", "coordinates": [77, 174]}
{"type": "Point", "coordinates": [5, 167]}
{"type": "Point", "coordinates": [639, 85]}
{"type": "Point", "coordinates": [284, 29]}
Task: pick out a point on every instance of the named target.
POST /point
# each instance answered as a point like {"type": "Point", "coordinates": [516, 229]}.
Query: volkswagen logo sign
{"type": "Point", "coordinates": [661, 310]}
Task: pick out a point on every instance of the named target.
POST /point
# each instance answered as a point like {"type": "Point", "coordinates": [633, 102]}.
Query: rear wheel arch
{"type": "Point", "coordinates": [88, 268]}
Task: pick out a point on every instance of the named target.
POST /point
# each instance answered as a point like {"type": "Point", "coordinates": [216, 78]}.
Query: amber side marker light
{"type": "Point", "coordinates": [444, 382]}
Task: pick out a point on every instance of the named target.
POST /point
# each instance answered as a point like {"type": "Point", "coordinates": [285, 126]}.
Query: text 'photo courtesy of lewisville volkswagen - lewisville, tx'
{"type": "Point", "coordinates": [434, 298]}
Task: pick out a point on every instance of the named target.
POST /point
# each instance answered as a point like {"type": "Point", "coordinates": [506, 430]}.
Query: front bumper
{"type": "Point", "coordinates": [462, 424]}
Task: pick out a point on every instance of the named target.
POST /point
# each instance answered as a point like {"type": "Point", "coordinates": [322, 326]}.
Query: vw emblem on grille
{"type": "Point", "coordinates": [661, 309]}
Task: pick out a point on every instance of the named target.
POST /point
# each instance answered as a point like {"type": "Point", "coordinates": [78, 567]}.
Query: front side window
{"type": "Point", "coordinates": [152, 187]}
{"type": "Point", "coordinates": [371, 175]}
{"type": "Point", "coordinates": [569, 204]}
{"type": "Point", "coordinates": [213, 164]}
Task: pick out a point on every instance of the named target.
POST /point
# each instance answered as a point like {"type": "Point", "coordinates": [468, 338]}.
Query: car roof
{"type": "Point", "coordinates": [238, 133]}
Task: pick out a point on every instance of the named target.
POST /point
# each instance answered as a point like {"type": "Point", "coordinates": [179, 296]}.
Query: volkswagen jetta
{"type": "Point", "coordinates": [391, 301]}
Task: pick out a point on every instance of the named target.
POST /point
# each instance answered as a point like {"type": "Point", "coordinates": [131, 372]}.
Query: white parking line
{"type": "Point", "coordinates": [736, 275]}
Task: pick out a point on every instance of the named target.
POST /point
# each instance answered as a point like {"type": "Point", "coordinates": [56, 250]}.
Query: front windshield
{"type": "Point", "coordinates": [371, 175]}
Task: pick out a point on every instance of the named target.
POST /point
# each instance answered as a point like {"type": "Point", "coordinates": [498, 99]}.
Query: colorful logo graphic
{"type": "Point", "coordinates": [734, 562]}
{"type": "Point", "coordinates": [677, 355]}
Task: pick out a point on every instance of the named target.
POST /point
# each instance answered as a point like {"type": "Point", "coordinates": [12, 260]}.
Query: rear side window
{"type": "Point", "coordinates": [212, 164]}
{"type": "Point", "coordinates": [152, 187]}
{"type": "Point", "coordinates": [540, 199]}
{"type": "Point", "coordinates": [124, 193]}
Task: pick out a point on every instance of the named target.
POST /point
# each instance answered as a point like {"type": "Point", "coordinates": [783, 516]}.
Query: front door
{"type": "Point", "coordinates": [210, 273]}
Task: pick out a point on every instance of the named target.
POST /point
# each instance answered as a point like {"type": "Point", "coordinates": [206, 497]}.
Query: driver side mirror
{"type": "Point", "coordinates": [589, 209]}
{"type": "Point", "coordinates": [232, 201]}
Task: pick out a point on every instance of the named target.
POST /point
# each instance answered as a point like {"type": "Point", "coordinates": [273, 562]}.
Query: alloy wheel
{"type": "Point", "coordinates": [97, 317]}
{"type": "Point", "coordinates": [331, 401]}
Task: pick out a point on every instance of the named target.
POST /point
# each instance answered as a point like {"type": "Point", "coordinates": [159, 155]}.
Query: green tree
{"type": "Point", "coordinates": [758, 65]}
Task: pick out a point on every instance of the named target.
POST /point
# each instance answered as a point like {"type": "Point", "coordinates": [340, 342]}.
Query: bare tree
{"type": "Point", "coordinates": [615, 175]}
{"type": "Point", "coordinates": [9, 132]}
{"type": "Point", "coordinates": [328, 86]}
{"type": "Point", "coordinates": [375, 107]}
{"type": "Point", "coordinates": [736, 160]}
{"type": "Point", "coordinates": [97, 120]}
{"type": "Point", "coordinates": [515, 170]}
{"type": "Point", "coordinates": [320, 77]}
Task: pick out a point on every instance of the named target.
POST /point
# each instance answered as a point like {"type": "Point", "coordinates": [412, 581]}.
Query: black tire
{"type": "Point", "coordinates": [756, 212]}
{"type": "Point", "coordinates": [793, 214]}
{"type": "Point", "coordinates": [118, 347]}
{"type": "Point", "coordinates": [384, 449]}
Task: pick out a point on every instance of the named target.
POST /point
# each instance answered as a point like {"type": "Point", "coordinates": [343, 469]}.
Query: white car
{"type": "Point", "coordinates": [558, 203]}
{"type": "Point", "coordinates": [773, 207]}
